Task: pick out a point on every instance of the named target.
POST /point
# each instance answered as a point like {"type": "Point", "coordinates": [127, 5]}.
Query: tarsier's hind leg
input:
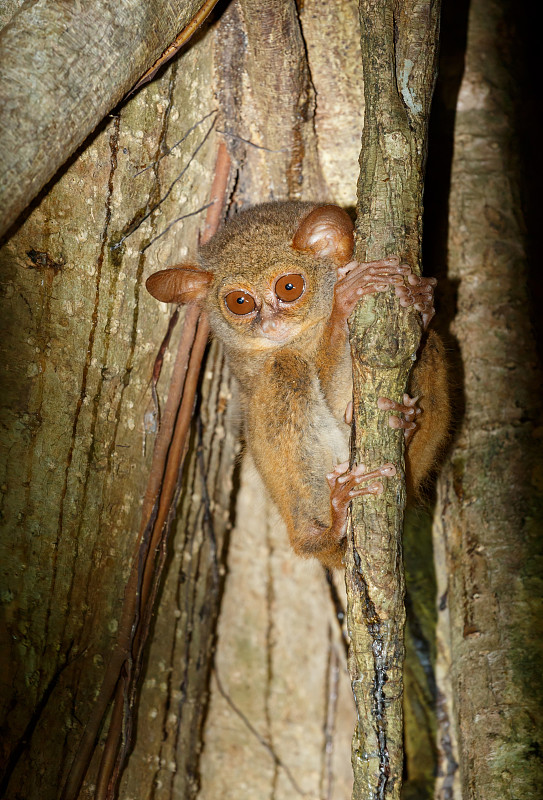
{"type": "Point", "coordinates": [430, 382]}
{"type": "Point", "coordinates": [327, 541]}
{"type": "Point", "coordinates": [408, 412]}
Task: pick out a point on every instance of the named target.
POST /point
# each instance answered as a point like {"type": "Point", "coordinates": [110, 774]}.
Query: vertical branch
{"type": "Point", "coordinates": [399, 57]}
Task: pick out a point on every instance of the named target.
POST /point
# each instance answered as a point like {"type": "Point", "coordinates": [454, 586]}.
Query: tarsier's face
{"type": "Point", "coordinates": [271, 312]}
{"type": "Point", "coordinates": [267, 277]}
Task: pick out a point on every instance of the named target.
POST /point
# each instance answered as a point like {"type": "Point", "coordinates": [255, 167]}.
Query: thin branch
{"type": "Point", "coordinates": [179, 141]}
{"type": "Point", "coordinates": [265, 744]}
{"type": "Point", "coordinates": [174, 222]}
{"type": "Point", "coordinates": [181, 39]}
{"type": "Point", "coordinates": [252, 144]}
{"type": "Point", "coordinates": [140, 222]}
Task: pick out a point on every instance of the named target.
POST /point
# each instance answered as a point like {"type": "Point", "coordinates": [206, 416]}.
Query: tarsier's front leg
{"type": "Point", "coordinates": [355, 281]}
{"type": "Point", "coordinates": [358, 279]}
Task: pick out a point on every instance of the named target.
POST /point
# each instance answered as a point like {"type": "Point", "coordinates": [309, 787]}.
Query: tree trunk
{"type": "Point", "coordinates": [81, 350]}
{"type": "Point", "coordinates": [80, 338]}
{"type": "Point", "coordinates": [488, 517]}
{"type": "Point", "coordinates": [65, 66]}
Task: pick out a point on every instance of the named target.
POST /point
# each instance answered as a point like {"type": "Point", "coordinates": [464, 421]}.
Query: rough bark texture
{"type": "Point", "coordinates": [79, 341]}
{"type": "Point", "coordinates": [490, 498]}
{"type": "Point", "coordinates": [399, 59]}
{"type": "Point", "coordinates": [64, 66]}
{"type": "Point", "coordinates": [7, 10]}
{"type": "Point", "coordinates": [278, 106]}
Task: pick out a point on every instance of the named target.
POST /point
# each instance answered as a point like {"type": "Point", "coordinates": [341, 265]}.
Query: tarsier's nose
{"type": "Point", "coordinates": [269, 325]}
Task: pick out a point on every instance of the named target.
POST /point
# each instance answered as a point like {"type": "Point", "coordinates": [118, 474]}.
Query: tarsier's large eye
{"type": "Point", "coordinates": [290, 287]}
{"type": "Point", "coordinates": [239, 302]}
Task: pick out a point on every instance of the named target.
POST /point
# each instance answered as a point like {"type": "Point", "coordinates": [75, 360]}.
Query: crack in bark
{"type": "Point", "coordinates": [380, 677]}
{"type": "Point", "coordinates": [114, 144]}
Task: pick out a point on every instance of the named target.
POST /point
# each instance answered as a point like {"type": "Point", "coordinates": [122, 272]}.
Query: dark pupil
{"type": "Point", "coordinates": [240, 300]}
{"type": "Point", "coordinates": [289, 286]}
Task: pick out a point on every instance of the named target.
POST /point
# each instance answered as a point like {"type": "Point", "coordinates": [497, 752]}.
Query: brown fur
{"type": "Point", "coordinates": [294, 391]}
{"type": "Point", "coordinates": [430, 382]}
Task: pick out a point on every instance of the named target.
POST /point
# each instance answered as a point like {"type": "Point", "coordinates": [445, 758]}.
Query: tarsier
{"type": "Point", "coordinates": [279, 283]}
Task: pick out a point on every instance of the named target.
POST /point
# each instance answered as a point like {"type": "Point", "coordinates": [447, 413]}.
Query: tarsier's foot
{"type": "Point", "coordinates": [418, 292]}
{"type": "Point", "coordinates": [357, 279]}
{"type": "Point", "coordinates": [346, 483]}
{"type": "Point", "coordinates": [408, 410]}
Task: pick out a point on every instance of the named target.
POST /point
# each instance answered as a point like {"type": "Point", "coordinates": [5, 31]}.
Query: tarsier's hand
{"type": "Point", "coordinates": [418, 292]}
{"type": "Point", "coordinates": [357, 279]}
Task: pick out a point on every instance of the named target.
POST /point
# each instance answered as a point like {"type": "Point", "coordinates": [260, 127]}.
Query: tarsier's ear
{"type": "Point", "coordinates": [326, 231]}
{"type": "Point", "coordinates": [182, 284]}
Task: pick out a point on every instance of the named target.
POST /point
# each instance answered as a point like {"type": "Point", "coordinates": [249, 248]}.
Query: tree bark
{"type": "Point", "coordinates": [80, 337]}
{"type": "Point", "coordinates": [64, 67]}
{"type": "Point", "coordinates": [399, 60]}
{"type": "Point", "coordinates": [490, 497]}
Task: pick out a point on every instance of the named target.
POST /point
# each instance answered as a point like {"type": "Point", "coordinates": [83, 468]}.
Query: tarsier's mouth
{"type": "Point", "coordinates": [281, 335]}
